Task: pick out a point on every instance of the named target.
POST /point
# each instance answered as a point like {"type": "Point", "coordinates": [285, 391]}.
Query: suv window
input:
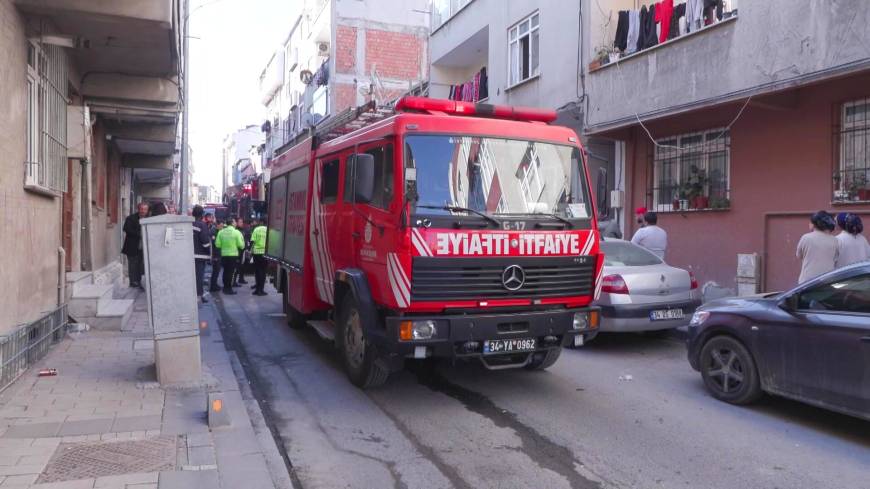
{"type": "Point", "coordinates": [329, 182]}
{"type": "Point", "coordinates": [383, 193]}
{"type": "Point", "coordinates": [625, 254]}
{"type": "Point", "coordinates": [846, 295]}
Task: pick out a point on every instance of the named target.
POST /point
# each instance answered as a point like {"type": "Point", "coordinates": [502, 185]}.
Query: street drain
{"type": "Point", "coordinates": [88, 460]}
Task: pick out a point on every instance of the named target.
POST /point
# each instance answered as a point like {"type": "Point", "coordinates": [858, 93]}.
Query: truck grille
{"type": "Point", "coordinates": [440, 279]}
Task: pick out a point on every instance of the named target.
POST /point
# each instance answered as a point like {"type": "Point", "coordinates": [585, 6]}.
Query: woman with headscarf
{"type": "Point", "coordinates": [852, 246]}
{"type": "Point", "coordinates": [158, 209]}
{"type": "Point", "coordinates": [818, 248]}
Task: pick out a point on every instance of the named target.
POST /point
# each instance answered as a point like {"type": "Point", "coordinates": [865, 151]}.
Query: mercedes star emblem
{"type": "Point", "coordinates": [513, 277]}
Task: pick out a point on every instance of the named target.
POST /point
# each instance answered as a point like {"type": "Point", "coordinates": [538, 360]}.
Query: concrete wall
{"type": "Point", "coordinates": [782, 158]}
{"type": "Point", "coordinates": [31, 223]}
{"type": "Point", "coordinates": [771, 45]}
{"type": "Point", "coordinates": [557, 84]}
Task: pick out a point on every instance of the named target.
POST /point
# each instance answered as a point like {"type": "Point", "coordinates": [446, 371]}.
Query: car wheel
{"type": "Point", "coordinates": [545, 359]}
{"type": "Point", "coordinates": [729, 372]}
{"type": "Point", "coordinates": [363, 367]}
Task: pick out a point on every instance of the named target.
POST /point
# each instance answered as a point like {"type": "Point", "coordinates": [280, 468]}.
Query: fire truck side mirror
{"type": "Point", "coordinates": [364, 181]}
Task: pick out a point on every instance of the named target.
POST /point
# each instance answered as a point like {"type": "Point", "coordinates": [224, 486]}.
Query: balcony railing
{"type": "Point", "coordinates": [444, 10]}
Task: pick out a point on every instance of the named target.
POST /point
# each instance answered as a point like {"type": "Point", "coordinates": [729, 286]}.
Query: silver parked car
{"type": "Point", "coordinates": [640, 292]}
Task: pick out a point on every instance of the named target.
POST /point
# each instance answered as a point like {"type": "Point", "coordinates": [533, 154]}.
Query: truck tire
{"type": "Point", "coordinates": [295, 319]}
{"type": "Point", "coordinates": [544, 360]}
{"type": "Point", "coordinates": [361, 362]}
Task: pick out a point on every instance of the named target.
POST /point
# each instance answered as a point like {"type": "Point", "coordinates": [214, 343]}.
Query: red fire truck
{"type": "Point", "coordinates": [437, 229]}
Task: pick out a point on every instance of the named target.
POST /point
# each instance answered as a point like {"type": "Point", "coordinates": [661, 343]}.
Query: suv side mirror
{"type": "Point", "coordinates": [364, 181]}
{"type": "Point", "coordinates": [790, 303]}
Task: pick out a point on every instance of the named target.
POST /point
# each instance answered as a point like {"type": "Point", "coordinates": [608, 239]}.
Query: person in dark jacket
{"type": "Point", "coordinates": [201, 248]}
{"type": "Point", "coordinates": [215, 259]}
{"type": "Point", "coordinates": [133, 245]}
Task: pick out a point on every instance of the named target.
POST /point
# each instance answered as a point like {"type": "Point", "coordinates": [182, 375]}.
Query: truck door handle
{"type": "Point", "coordinates": [865, 339]}
{"type": "Point", "coordinates": [315, 232]}
{"type": "Point", "coordinates": [355, 234]}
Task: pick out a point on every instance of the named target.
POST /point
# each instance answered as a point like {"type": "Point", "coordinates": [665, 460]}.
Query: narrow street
{"type": "Point", "coordinates": [576, 425]}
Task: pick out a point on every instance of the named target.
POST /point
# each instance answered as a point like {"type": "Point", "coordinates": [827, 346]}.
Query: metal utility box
{"type": "Point", "coordinates": [170, 285]}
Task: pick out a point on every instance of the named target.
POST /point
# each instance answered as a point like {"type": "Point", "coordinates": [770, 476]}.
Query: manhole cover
{"type": "Point", "coordinates": [98, 459]}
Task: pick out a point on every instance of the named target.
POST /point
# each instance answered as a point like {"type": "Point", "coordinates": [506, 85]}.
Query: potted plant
{"type": "Point", "coordinates": [720, 203]}
{"type": "Point", "coordinates": [602, 57]}
{"type": "Point", "coordinates": [697, 184]}
{"type": "Point", "coordinates": [862, 192]}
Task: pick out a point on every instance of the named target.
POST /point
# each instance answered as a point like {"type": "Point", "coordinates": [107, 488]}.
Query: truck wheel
{"type": "Point", "coordinates": [544, 360]}
{"type": "Point", "coordinates": [361, 363]}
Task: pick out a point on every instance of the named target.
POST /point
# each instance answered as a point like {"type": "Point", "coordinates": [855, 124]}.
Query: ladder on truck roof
{"type": "Point", "coordinates": [350, 120]}
{"type": "Point", "coordinates": [340, 124]}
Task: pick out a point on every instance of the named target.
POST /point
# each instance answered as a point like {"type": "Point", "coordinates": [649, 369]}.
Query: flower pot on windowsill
{"type": "Point", "coordinates": [676, 204]}
{"type": "Point", "coordinates": [864, 194]}
{"type": "Point", "coordinates": [594, 65]}
{"type": "Point", "coordinates": [700, 202]}
{"type": "Point", "coordinates": [684, 204]}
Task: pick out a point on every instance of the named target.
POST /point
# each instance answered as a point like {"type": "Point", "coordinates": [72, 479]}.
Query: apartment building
{"type": "Point", "coordinates": [88, 123]}
{"type": "Point", "coordinates": [237, 156]}
{"type": "Point", "coordinates": [735, 124]}
{"type": "Point", "coordinates": [340, 54]}
{"type": "Point", "coordinates": [521, 53]}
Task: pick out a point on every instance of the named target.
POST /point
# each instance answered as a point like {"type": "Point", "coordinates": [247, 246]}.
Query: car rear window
{"type": "Point", "coordinates": [625, 254]}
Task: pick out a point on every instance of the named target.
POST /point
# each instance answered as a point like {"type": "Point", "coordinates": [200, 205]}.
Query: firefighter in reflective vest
{"type": "Point", "coordinates": [231, 242]}
{"type": "Point", "coordinates": [258, 250]}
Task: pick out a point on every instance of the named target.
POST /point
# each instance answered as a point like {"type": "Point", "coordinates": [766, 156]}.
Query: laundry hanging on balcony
{"type": "Point", "coordinates": [473, 90]}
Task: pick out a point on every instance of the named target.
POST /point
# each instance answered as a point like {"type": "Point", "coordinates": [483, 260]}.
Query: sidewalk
{"type": "Point", "coordinates": [104, 422]}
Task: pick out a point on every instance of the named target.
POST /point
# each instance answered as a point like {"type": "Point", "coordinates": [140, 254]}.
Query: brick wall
{"type": "Point", "coordinates": [345, 49]}
{"type": "Point", "coordinates": [345, 96]}
{"type": "Point", "coordinates": [397, 55]}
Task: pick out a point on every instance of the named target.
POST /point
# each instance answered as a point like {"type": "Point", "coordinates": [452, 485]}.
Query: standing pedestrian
{"type": "Point", "coordinates": [852, 246]}
{"type": "Point", "coordinates": [651, 236]}
{"type": "Point", "coordinates": [258, 251]}
{"type": "Point", "coordinates": [245, 226]}
{"type": "Point", "coordinates": [201, 249]}
{"type": "Point", "coordinates": [133, 245]}
{"type": "Point", "coordinates": [215, 257]}
{"type": "Point", "coordinates": [818, 249]}
{"type": "Point", "coordinates": [158, 209]}
{"type": "Point", "coordinates": [230, 241]}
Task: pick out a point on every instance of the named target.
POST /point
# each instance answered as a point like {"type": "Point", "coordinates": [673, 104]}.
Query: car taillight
{"type": "Point", "coordinates": [693, 279]}
{"type": "Point", "coordinates": [614, 284]}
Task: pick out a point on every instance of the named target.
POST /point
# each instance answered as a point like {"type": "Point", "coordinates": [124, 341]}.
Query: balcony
{"type": "Point", "coordinates": [444, 10]}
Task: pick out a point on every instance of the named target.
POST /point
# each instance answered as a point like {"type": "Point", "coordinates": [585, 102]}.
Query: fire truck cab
{"type": "Point", "coordinates": [437, 229]}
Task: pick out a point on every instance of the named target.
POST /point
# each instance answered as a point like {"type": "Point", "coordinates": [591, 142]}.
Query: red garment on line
{"type": "Point", "coordinates": [664, 12]}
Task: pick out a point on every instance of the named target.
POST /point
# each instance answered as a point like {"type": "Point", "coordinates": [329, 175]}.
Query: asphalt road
{"type": "Point", "coordinates": [575, 425]}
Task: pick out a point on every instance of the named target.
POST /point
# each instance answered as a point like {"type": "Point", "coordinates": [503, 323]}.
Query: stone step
{"type": "Point", "coordinates": [75, 280]}
{"type": "Point", "coordinates": [86, 299]}
{"type": "Point", "coordinates": [112, 315]}
{"type": "Point", "coordinates": [326, 329]}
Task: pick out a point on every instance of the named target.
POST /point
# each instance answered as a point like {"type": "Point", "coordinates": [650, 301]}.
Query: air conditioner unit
{"type": "Point", "coordinates": [78, 132]}
{"type": "Point", "coordinates": [323, 49]}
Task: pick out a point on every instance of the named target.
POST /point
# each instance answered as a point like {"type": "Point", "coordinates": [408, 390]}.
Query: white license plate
{"type": "Point", "coordinates": [666, 314]}
{"type": "Point", "coordinates": [508, 346]}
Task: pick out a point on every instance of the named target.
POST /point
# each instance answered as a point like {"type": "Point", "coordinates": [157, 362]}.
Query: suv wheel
{"type": "Point", "coordinates": [729, 372]}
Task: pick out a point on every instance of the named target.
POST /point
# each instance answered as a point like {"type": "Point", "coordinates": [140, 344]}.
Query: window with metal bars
{"type": "Point", "coordinates": [46, 165]}
{"type": "Point", "coordinates": [852, 175]}
{"type": "Point", "coordinates": [692, 172]}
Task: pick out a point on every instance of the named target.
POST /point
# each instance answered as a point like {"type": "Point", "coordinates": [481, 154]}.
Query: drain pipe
{"type": "Point", "coordinates": [61, 276]}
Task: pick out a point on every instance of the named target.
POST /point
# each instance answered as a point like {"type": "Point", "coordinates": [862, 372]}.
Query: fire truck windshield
{"type": "Point", "coordinates": [496, 176]}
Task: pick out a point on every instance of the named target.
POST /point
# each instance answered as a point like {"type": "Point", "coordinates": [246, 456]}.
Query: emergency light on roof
{"type": "Point", "coordinates": [471, 109]}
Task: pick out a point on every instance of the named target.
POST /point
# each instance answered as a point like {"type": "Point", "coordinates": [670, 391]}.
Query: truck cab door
{"type": "Point", "coordinates": [375, 219]}
{"type": "Point", "coordinates": [330, 246]}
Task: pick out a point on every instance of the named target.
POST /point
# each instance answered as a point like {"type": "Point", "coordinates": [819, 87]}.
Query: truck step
{"type": "Point", "coordinates": [326, 329]}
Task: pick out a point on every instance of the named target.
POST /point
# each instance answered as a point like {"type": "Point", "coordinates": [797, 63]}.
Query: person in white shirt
{"type": "Point", "coordinates": [851, 244]}
{"type": "Point", "coordinates": [818, 248]}
{"type": "Point", "coordinates": [651, 236]}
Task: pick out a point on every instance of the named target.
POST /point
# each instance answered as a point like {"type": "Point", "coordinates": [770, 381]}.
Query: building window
{"type": "Point", "coordinates": [443, 10]}
{"type": "Point", "coordinates": [46, 165]}
{"type": "Point", "coordinates": [692, 171]}
{"type": "Point", "coordinates": [852, 177]}
{"type": "Point", "coordinates": [523, 49]}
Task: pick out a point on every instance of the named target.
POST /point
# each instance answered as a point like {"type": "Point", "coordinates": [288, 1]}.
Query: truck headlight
{"type": "Point", "coordinates": [698, 318]}
{"type": "Point", "coordinates": [417, 330]}
{"type": "Point", "coordinates": [581, 320]}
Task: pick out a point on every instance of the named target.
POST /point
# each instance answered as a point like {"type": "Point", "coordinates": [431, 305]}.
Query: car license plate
{"type": "Point", "coordinates": [508, 346]}
{"type": "Point", "coordinates": [665, 314]}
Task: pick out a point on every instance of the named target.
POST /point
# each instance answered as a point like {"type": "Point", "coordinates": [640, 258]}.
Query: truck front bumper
{"type": "Point", "coordinates": [464, 335]}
